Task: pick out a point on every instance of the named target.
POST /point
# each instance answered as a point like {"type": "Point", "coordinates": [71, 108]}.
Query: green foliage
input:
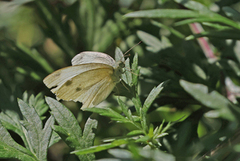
{"type": "Point", "coordinates": [69, 130]}
{"type": "Point", "coordinates": [35, 137]}
{"type": "Point", "coordinates": [178, 98]}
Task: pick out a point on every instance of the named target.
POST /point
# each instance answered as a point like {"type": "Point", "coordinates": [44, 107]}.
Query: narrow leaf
{"type": "Point", "coordinates": [135, 132]}
{"type": "Point", "coordinates": [109, 113]}
{"type": "Point", "coordinates": [152, 96]}
{"type": "Point", "coordinates": [102, 147]}
{"type": "Point", "coordinates": [163, 13]}
{"type": "Point", "coordinates": [210, 99]}
{"type": "Point", "coordinates": [230, 12]}
{"type": "Point", "coordinates": [137, 103]}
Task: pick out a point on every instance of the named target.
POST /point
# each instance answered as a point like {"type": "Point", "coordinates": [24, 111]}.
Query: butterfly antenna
{"type": "Point", "coordinates": [132, 48]}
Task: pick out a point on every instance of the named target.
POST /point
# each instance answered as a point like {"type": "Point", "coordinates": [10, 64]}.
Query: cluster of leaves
{"type": "Point", "coordinates": [202, 87]}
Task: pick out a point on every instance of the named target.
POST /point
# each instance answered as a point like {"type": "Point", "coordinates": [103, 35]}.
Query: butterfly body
{"type": "Point", "coordinates": [90, 79]}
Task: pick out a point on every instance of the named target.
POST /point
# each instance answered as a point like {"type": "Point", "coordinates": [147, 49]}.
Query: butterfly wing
{"type": "Point", "coordinates": [89, 86]}
{"type": "Point", "coordinates": [61, 76]}
{"type": "Point", "coordinates": [93, 57]}
{"type": "Point", "coordinates": [97, 93]}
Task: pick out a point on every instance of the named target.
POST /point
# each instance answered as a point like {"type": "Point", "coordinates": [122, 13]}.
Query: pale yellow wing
{"type": "Point", "coordinates": [97, 93]}
{"type": "Point", "coordinates": [93, 57]}
{"type": "Point", "coordinates": [61, 76]}
{"type": "Point", "coordinates": [90, 87]}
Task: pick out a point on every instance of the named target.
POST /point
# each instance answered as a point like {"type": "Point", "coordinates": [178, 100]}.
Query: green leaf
{"type": "Point", "coordinates": [65, 119]}
{"type": "Point", "coordinates": [163, 13]}
{"type": "Point", "coordinates": [102, 147]}
{"type": "Point", "coordinates": [109, 113]}
{"type": "Point", "coordinates": [120, 153]}
{"type": "Point", "coordinates": [143, 120]}
{"type": "Point", "coordinates": [143, 139]}
{"type": "Point", "coordinates": [38, 138]}
{"type": "Point", "coordinates": [156, 155]}
{"type": "Point", "coordinates": [54, 24]}
{"type": "Point", "coordinates": [153, 43]}
{"type": "Point", "coordinates": [230, 12]}
{"type": "Point", "coordinates": [223, 34]}
{"type": "Point", "coordinates": [137, 103]}
{"type": "Point", "coordinates": [135, 71]}
{"type": "Point", "coordinates": [234, 66]}
{"type": "Point", "coordinates": [211, 99]}
{"type": "Point", "coordinates": [193, 5]}
{"type": "Point", "coordinates": [119, 57]}
{"type": "Point", "coordinates": [88, 138]}
{"type": "Point", "coordinates": [45, 138]}
{"type": "Point", "coordinates": [33, 125]}
{"type": "Point", "coordinates": [127, 75]}
{"type": "Point", "coordinates": [37, 103]}
{"type": "Point", "coordinates": [173, 31]}
{"type": "Point", "coordinates": [69, 129]}
{"type": "Point", "coordinates": [152, 96]}
{"type": "Point", "coordinates": [135, 132]}
{"type": "Point", "coordinates": [10, 149]}
{"type": "Point", "coordinates": [124, 108]}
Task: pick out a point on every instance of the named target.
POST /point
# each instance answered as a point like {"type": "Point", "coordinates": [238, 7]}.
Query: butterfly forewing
{"type": "Point", "coordinates": [59, 77]}
{"type": "Point", "coordinates": [92, 57]}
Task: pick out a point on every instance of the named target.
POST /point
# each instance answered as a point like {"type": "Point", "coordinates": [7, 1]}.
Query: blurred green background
{"type": "Point", "coordinates": [38, 37]}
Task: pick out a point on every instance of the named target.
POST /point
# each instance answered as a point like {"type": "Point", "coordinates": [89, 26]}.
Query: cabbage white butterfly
{"type": "Point", "coordinates": [90, 79]}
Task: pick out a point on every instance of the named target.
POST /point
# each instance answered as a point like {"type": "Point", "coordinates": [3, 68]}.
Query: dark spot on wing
{"type": "Point", "coordinates": [69, 82]}
{"type": "Point", "coordinates": [78, 89]}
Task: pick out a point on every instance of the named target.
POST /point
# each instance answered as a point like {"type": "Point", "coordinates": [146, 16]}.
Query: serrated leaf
{"type": "Point", "coordinates": [65, 118]}
{"type": "Point", "coordinates": [211, 99]}
{"type": "Point", "coordinates": [69, 129]}
{"type": "Point", "coordinates": [102, 147]}
{"type": "Point", "coordinates": [88, 137]}
{"type": "Point", "coordinates": [152, 96]}
{"type": "Point", "coordinates": [37, 138]}
{"type": "Point", "coordinates": [10, 149]}
{"type": "Point", "coordinates": [33, 126]}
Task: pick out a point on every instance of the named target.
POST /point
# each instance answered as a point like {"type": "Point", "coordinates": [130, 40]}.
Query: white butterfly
{"type": "Point", "coordinates": [90, 79]}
